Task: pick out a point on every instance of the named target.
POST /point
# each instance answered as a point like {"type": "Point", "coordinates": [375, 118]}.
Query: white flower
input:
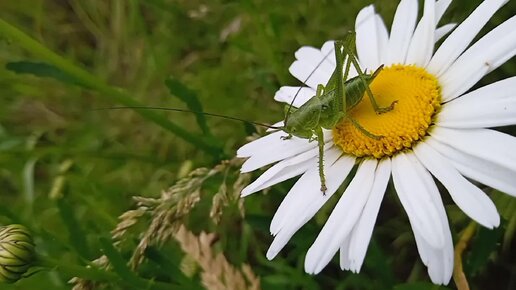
{"type": "Point", "coordinates": [436, 128]}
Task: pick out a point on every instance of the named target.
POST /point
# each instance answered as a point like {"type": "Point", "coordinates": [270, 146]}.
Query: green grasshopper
{"type": "Point", "coordinates": [330, 105]}
{"type": "Point", "coordinates": [332, 102]}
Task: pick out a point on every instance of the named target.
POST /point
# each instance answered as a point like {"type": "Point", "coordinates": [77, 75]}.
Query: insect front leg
{"type": "Point", "coordinates": [320, 141]}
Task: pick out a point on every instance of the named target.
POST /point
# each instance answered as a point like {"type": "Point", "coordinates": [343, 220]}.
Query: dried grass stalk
{"type": "Point", "coordinates": [83, 284]}
{"type": "Point", "coordinates": [174, 205]}
{"type": "Point", "coordinates": [169, 212]}
{"type": "Point", "coordinates": [217, 272]}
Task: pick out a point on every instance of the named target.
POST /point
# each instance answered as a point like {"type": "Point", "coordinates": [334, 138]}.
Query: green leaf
{"type": "Point", "coordinates": [112, 93]}
{"type": "Point", "coordinates": [119, 265]}
{"type": "Point", "coordinates": [169, 266]}
{"type": "Point", "coordinates": [76, 234]}
{"type": "Point", "coordinates": [485, 242]}
{"type": "Point", "coordinates": [41, 69]}
{"type": "Point", "coordinates": [191, 100]}
{"type": "Point", "coordinates": [378, 264]}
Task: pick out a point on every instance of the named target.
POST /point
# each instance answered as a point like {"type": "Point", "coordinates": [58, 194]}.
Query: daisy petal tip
{"type": "Point", "coordinates": [246, 168]}
{"type": "Point", "coordinates": [355, 269]}
{"type": "Point", "coordinates": [490, 221]}
{"type": "Point", "coordinates": [246, 192]}
{"type": "Point", "coordinates": [311, 264]}
{"type": "Point", "coordinates": [271, 254]}
{"type": "Point", "coordinates": [295, 67]}
{"type": "Point", "coordinates": [244, 151]}
{"type": "Point", "coordinates": [277, 97]}
{"type": "Point", "coordinates": [366, 12]}
{"type": "Point", "coordinates": [439, 279]}
{"type": "Point", "coordinates": [313, 270]}
{"type": "Point", "coordinates": [495, 221]}
{"type": "Point", "coordinates": [356, 266]}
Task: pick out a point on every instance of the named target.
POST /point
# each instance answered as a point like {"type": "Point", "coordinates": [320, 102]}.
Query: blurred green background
{"type": "Point", "coordinates": [67, 170]}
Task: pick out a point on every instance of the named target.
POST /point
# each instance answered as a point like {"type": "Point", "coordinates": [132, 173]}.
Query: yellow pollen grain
{"type": "Point", "coordinates": [418, 98]}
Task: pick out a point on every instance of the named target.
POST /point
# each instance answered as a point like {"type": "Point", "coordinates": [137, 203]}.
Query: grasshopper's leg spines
{"type": "Point", "coordinates": [363, 130]}
{"type": "Point", "coordinates": [320, 141]}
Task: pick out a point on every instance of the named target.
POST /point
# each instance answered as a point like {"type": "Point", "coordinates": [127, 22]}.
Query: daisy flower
{"type": "Point", "coordinates": [437, 128]}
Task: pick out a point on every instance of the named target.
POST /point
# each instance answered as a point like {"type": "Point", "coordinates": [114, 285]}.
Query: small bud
{"type": "Point", "coordinates": [16, 252]}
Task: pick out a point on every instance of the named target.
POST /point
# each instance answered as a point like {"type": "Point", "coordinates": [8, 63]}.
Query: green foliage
{"type": "Point", "coordinates": [68, 171]}
{"type": "Point", "coordinates": [40, 70]}
{"type": "Point", "coordinates": [191, 100]}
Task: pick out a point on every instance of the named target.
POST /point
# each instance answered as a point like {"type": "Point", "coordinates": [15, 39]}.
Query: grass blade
{"type": "Point", "coordinates": [114, 94]}
{"type": "Point", "coordinates": [188, 97]}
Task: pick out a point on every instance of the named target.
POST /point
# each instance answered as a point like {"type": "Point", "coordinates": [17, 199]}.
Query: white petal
{"type": "Point", "coordinates": [422, 43]}
{"type": "Point", "coordinates": [284, 170]}
{"type": "Point", "coordinates": [481, 170]}
{"type": "Point", "coordinates": [272, 148]}
{"type": "Point", "coordinates": [443, 30]}
{"type": "Point", "coordinates": [305, 199]}
{"type": "Point", "coordinates": [484, 56]}
{"type": "Point", "coordinates": [326, 48]}
{"type": "Point", "coordinates": [487, 144]}
{"type": "Point", "coordinates": [492, 36]}
{"type": "Point", "coordinates": [440, 260]}
{"type": "Point", "coordinates": [314, 66]}
{"type": "Point", "coordinates": [342, 219]}
{"type": "Point", "coordinates": [470, 199]}
{"type": "Point", "coordinates": [292, 198]}
{"type": "Point", "coordinates": [286, 94]}
{"type": "Point", "coordinates": [440, 8]}
{"type": "Point", "coordinates": [344, 261]}
{"type": "Point", "coordinates": [383, 39]}
{"type": "Point", "coordinates": [490, 106]}
{"type": "Point", "coordinates": [324, 61]}
{"type": "Point", "coordinates": [401, 31]}
{"type": "Point", "coordinates": [367, 38]}
{"type": "Point", "coordinates": [363, 230]}
{"type": "Point", "coordinates": [423, 248]}
{"type": "Point", "coordinates": [277, 124]}
{"type": "Point", "coordinates": [416, 200]}
{"type": "Point", "coordinates": [462, 36]}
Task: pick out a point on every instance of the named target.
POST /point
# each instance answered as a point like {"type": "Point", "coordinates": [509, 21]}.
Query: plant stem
{"type": "Point", "coordinates": [89, 273]}
{"type": "Point", "coordinates": [114, 94]}
{"type": "Point", "coordinates": [458, 273]}
{"type": "Point", "coordinates": [96, 274]}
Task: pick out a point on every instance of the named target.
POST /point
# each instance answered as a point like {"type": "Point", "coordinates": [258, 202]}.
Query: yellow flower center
{"type": "Point", "coordinates": [418, 98]}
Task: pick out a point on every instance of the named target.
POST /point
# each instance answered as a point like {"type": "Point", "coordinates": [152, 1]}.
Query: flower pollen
{"type": "Point", "coordinates": [418, 98]}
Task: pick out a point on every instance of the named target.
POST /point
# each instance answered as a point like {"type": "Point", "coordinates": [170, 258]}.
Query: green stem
{"type": "Point", "coordinates": [114, 94]}
{"type": "Point", "coordinates": [96, 274]}
{"type": "Point", "coordinates": [89, 273]}
{"type": "Point", "coordinates": [459, 277]}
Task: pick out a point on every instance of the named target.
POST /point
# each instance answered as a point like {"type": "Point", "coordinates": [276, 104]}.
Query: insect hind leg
{"type": "Point", "coordinates": [348, 48]}
{"type": "Point", "coordinates": [376, 107]}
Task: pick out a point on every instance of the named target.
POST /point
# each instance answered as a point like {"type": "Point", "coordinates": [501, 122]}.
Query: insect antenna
{"type": "Point", "coordinates": [304, 82]}
{"type": "Point", "coordinates": [189, 111]}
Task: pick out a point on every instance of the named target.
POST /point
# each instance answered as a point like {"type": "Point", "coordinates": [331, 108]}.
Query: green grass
{"type": "Point", "coordinates": [233, 56]}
